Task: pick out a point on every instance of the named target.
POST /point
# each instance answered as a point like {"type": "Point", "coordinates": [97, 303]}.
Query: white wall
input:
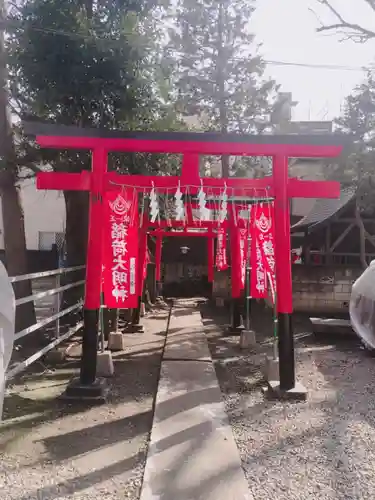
{"type": "Point", "coordinates": [43, 210]}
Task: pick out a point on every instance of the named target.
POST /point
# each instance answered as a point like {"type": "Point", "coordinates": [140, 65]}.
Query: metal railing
{"type": "Point", "coordinates": [57, 310]}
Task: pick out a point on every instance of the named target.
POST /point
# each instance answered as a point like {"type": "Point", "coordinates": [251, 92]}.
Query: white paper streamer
{"type": "Point", "coordinates": [179, 205]}
{"type": "Point", "coordinates": [204, 212]}
{"type": "Point", "coordinates": [223, 211]}
{"type": "Point", "coordinates": [154, 205]}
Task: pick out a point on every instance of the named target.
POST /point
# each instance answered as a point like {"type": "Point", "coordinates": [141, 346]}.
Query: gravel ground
{"type": "Point", "coordinates": [52, 451]}
{"type": "Point", "coordinates": [323, 448]}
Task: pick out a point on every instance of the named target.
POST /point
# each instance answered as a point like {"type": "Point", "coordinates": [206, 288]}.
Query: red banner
{"type": "Point", "coordinates": [221, 250]}
{"type": "Point", "coordinates": [244, 242]}
{"type": "Point", "coordinates": [258, 279]}
{"type": "Point", "coordinates": [243, 255]}
{"type": "Point", "coordinates": [267, 241]}
{"type": "Point", "coordinates": [120, 256]}
{"type": "Point", "coordinates": [263, 251]}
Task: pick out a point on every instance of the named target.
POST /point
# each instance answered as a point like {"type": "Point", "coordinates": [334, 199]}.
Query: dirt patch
{"type": "Point", "coordinates": [52, 450]}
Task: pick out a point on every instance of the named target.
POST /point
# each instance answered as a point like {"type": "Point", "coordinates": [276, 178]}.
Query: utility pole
{"type": "Point", "coordinates": [13, 219]}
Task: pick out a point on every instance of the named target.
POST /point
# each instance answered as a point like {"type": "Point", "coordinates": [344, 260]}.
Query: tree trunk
{"type": "Point", "coordinates": [76, 205]}
{"type": "Point", "coordinates": [13, 220]}
{"type": "Point", "coordinates": [225, 166]}
{"type": "Point", "coordinates": [110, 320]}
{"type": "Point", "coordinates": [15, 246]}
{"type": "Point", "coordinates": [362, 237]}
{"type": "Point", "coordinates": [221, 87]}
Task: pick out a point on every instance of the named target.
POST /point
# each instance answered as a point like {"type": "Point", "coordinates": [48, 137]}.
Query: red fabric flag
{"type": "Point", "coordinates": [120, 256]}
{"type": "Point", "coordinates": [263, 251]}
{"type": "Point", "coordinates": [244, 243]}
{"type": "Point", "coordinates": [267, 241]}
{"type": "Point", "coordinates": [221, 250]}
{"type": "Point", "coordinates": [258, 280]}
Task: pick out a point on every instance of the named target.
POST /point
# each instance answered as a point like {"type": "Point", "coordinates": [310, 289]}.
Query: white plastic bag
{"type": "Point", "coordinates": [7, 325]}
{"type": "Point", "coordinates": [362, 306]}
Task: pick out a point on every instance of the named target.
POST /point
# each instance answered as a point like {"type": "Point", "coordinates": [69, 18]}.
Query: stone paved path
{"type": "Point", "coordinates": [192, 453]}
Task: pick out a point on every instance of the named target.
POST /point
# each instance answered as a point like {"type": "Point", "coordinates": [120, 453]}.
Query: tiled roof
{"type": "Point", "coordinates": [324, 209]}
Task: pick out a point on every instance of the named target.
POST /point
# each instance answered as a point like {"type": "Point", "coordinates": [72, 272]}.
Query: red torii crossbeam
{"type": "Point", "coordinates": [191, 145]}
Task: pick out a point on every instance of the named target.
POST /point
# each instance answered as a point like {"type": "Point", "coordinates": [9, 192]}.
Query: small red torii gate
{"type": "Point", "coordinates": [279, 186]}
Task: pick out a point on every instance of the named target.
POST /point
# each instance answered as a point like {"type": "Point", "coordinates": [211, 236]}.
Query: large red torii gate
{"type": "Point", "coordinates": [190, 145]}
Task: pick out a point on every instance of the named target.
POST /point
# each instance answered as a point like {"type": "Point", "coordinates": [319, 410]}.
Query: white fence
{"type": "Point", "coordinates": [58, 314]}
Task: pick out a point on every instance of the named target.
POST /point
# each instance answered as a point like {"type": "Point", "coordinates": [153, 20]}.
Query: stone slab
{"type": "Point", "coordinates": [186, 339]}
{"type": "Point", "coordinates": [116, 342]}
{"type": "Point", "coordinates": [271, 368]}
{"type": "Point", "coordinates": [192, 452]}
{"type": "Point", "coordinates": [248, 339]}
{"type": "Point", "coordinates": [187, 345]}
{"type": "Point", "coordinates": [332, 326]}
{"type": "Point", "coordinates": [105, 366]}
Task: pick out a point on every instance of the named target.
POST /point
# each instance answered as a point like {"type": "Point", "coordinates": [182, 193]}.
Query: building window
{"type": "Point", "coordinates": [49, 238]}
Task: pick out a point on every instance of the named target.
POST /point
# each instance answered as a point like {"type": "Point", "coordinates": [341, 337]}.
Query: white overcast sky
{"type": "Point", "coordinates": [287, 31]}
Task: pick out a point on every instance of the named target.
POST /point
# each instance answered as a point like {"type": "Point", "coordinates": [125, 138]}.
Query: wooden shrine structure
{"type": "Point", "coordinates": [99, 181]}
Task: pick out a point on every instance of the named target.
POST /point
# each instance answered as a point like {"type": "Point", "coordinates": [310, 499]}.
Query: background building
{"type": "Point", "coordinates": [44, 213]}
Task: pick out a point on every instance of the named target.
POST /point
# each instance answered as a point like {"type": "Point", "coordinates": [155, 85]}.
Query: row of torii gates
{"type": "Point", "coordinates": [280, 187]}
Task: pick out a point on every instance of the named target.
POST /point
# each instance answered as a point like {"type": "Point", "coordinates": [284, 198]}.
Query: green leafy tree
{"type": "Point", "coordinates": [358, 120]}
{"type": "Point", "coordinates": [219, 73]}
{"type": "Point", "coordinates": [12, 213]}
{"type": "Point", "coordinates": [90, 64]}
{"type": "Point", "coordinates": [356, 168]}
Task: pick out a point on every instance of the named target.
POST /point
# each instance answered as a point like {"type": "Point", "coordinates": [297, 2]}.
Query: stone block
{"type": "Point", "coordinates": [271, 368]}
{"type": "Point", "coordinates": [116, 341]}
{"type": "Point", "coordinates": [56, 356]}
{"type": "Point", "coordinates": [104, 367]}
{"type": "Point", "coordinates": [219, 301]}
{"type": "Point", "coordinates": [248, 339]}
{"type": "Point", "coordinates": [142, 310]}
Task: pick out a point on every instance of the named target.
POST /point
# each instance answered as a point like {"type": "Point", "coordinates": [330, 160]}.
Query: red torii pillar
{"type": "Point", "coordinates": [282, 188]}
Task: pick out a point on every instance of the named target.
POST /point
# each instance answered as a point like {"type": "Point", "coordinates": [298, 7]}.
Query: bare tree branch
{"type": "Point", "coordinates": [352, 31]}
{"type": "Point", "coordinates": [362, 237]}
{"type": "Point", "coordinates": [371, 4]}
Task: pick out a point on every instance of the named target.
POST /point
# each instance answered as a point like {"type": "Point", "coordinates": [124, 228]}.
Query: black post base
{"type": "Point", "coordinates": [236, 325]}
{"type": "Point", "coordinates": [159, 289]}
{"type": "Point", "coordinates": [136, 315]}
{"type": "Point", "coordinates": [286, 352]}
{"type": "Point", "coordinates": [89, 346]}
{"type": "Point", "coordinates": [95, 392]}
{"type": "Point", "coordinates": [274, 392]}
{"type": "Point", "coordinates": [130, 328]}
